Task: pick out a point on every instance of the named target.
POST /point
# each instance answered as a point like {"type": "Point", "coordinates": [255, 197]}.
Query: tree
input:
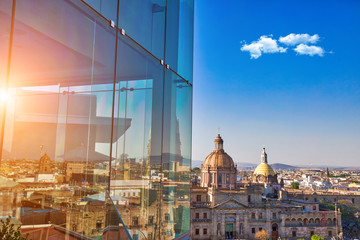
{"type": "Point", "coordinates": [295, 185]}
{"type": "Point", "coordinates": [9, 232]}
{"type": "Point", "coordinates": [316, 237]}
{"type": "Point", "coordinates": [195, 170]}
{"type": "Point", "coordinates": [261, 235]}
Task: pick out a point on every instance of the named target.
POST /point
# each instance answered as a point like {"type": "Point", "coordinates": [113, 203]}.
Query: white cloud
{"type": "Point", "coordinates": [265, 44]}
{"type": "Point", "coordinates": [304, 49]}
{"type": "Point", "coordinates": [294, 39]}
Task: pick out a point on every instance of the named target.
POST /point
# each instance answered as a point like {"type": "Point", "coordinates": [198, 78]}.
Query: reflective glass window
{"type": "Point", "coordinates": [136, 169]}
{"type": "Point", "coordinates": [58, 132]}
{"type": "Point", "coordinates": [176, 153]}
{"type": "Point", "coordinates": [144, 21]}
{"type": "Point", "coordinates": [179, 37]}
{"type": "Point", "coordinates": [5, 19]}
{"type": "Point", "coordinates": [107, 8]}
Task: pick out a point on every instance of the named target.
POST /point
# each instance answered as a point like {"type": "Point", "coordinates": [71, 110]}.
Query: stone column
{"type": "Point", "coordinates": [268, 219]}
{"type": "Point", "coordinates": [237, 225]}
{"type": "Point", "coordinates": [246, 225]}
{"type": "Point", "coordinates": [213, 232]}
{"type": "Point", "coordinates": [282, 225]}
{"type": "Point", "coordinates": [223, 224]}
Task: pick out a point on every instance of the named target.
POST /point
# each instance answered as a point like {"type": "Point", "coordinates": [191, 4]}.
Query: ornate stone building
{"type": "Point", "coordinates": [222, 208]}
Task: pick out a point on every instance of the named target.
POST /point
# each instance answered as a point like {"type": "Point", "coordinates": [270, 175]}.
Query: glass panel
{"type": "Point", "coordinates": [5, 19]}
{"type": "Point", "coordinates": [176, 156]}
{"type": "Point", "coordinates": [136, 172]}
{"type": "Point", "coordinates": [107, 8]}
{"type": "Point", "coordinates": [58, 129]}
{"type": "Point", "coordinates": [179, 37]}
{"type": "Point", "coordinates": [65, 106]}
{"type": "Point", "coordinates": [144, 21]}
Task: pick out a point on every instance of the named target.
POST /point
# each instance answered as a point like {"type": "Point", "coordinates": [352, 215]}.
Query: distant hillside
{"type": "Point", "coordinates": [245, 165]}
{"type": "Point", "coordinates": [240, 165]}
{"type": "Point", "coordinates": [280, 166]}
{"type": "Point", "coordinates": [277, 166]}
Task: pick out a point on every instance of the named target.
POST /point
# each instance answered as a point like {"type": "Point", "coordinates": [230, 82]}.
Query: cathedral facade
{"type": "Point", "coordinates": [223, 208]}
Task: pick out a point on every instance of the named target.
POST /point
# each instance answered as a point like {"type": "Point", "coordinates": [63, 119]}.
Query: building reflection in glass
{"type": "Point", "coordinates": [95, 129]}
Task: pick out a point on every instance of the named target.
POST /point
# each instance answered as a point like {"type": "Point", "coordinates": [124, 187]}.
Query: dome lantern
{"type": "Point", "coordinates": [219, 143]}
{"type": "Point", "coordinates": [264, 156]}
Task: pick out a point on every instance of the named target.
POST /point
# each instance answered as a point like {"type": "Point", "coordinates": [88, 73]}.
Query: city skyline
{"type": "Point", "coordinates": [285, 78]}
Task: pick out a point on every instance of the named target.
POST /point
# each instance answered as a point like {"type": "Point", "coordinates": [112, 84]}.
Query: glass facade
{"type": "Point", "coordinates": [95, 117]}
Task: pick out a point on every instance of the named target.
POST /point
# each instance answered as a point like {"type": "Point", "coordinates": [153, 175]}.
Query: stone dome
{"type": "Point", "coordinates": [218, 158]}
{"type": "Point", "coordinates": [264, 168]}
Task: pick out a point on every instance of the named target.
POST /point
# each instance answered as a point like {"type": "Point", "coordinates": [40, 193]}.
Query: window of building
{"type": "Point", "coordinates": [98, 225]}
{"type": "Point", "coordinates": [260, 229]}
{"type": "Point", "coordinates": [227, 179]}
{"type": "Point", "coordinates": [135, 221]}
{"type": "Point", "coordinates": [314, 207]}
{"type": "Point", "coordinates": [219, 178]}
{"type": "Point", "coordinates": [241, 230]}
{"type": "Point", "coordinates": [197, 231]}
{"type": "Point", "coordinates": [315, 199]}
{"type": "Point", "coordinates": [274, 215]}
{"type": "Point", "coordinates": [151, 219]}
{"type": "Point", "coordinates": [249, 198]}
{"type": "Point", "coordinates": [306, 198]}
{"type": "Point", "coordinates": [198, 198]}
{"type": "Point", "coordinates": [260, 215]}
{"type": "Point", "coordinates": [205, 231]}
{"type": "Point", "coordinates": [293, 233]}
{"type": "Point", "coordinates": [205, 215]}
{"type": "Point", "coordinates": [311, 233]}
{"type": "Point", "coordinates": [197, 215]}
{"type": "Point", "coordinates": [353, 200]}
{"type": "Point", "coordinates": [252, 215]}
{"type": "Point", "coordinates": [167, 217]}
{"type": "Point", "coordinates": [330, 233]}
{"type": "Point", "coordinates": [253, 230]}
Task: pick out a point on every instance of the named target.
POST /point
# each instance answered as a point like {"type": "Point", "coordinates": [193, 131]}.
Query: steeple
{"type": "Point", "coordinates": [264, 156]}
{"type": "Point", "coordinates": [218, 143]}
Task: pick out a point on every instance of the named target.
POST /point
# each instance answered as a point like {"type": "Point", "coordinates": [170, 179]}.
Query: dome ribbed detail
{"type": "Point", "coordinates": [218, 159]}
{"type": "Point", "coordinates": [264, 169]}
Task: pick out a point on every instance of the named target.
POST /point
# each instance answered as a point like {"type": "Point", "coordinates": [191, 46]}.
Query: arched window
{"type": "Point", "coordinates": [300, 221]}
{"type": "Point", "coordinates": [305, 221]}
{"type": "Point", "coordinates": [219, 178]}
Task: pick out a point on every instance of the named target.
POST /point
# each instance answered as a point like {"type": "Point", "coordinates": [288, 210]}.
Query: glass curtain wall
{"type": "Point", "coordinates": [96, 136]}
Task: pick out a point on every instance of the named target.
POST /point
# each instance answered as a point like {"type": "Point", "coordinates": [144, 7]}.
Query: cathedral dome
{"type": "Point", "coordinates": [218, 158]}
{"type": "Point", "coordinates": [264, 168]}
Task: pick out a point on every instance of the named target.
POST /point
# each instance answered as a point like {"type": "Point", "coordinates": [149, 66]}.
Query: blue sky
{"type": "Point", "coordinates": [304, 109]}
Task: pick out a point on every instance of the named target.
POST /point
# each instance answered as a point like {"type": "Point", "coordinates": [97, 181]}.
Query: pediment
{"type": "Point", "coordinates": [230, 204]}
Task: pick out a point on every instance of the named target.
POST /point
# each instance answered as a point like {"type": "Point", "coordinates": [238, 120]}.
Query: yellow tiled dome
{"type": "Point", "coordinates": [264, 169]}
